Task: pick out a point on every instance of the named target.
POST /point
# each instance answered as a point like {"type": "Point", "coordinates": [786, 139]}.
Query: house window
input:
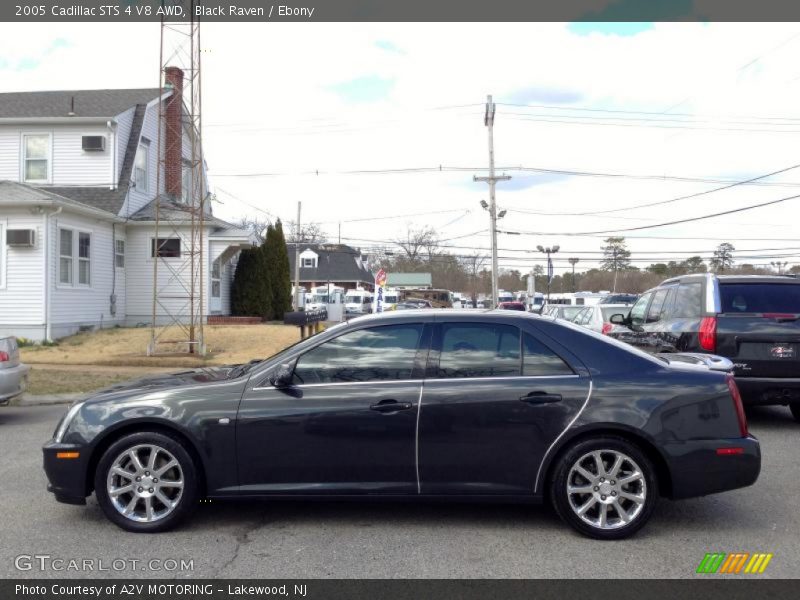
{"type": "Point", "coordinates": [119, 254]}
{"type": "Point", "coordinates": [65, 256]}
{"type": "Point", "coordinates": [140, 170]}
{"type": "Point", "coordinates": [216, 273]}
{"type": "Point", "coordinates": [186, 183]}
{"type": "Point", "coordinates": [309, 263]}
{"type": "Point", "coordinates": [36, 158]}
{"type": "Point", "coordinates": [167, 248]}
{"type": "Point", "coordinates": [84, 258]}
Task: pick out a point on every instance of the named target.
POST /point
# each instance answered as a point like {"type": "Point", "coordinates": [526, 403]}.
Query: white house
{"type": "Point", "coordinates": [78, 178]}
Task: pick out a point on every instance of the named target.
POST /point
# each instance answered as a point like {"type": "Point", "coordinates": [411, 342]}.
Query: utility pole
{"type": "Point", "coordinates": [297, 260]}
{"type": "Point", "coordinates": [573, 261]}
{"type": "Point", "coordinates": [548, 251]}
{"type": "Point", "coordinates": [616, 268]}
{"type": "Point", "coordinates": [488, 120]}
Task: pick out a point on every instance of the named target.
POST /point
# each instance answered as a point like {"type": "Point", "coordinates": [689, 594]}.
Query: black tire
{"type": "Point", "coordinates": [186, 470]}
{"type": "Point", "coordinates": [609, 447]}
{"type": "Point", "coordinates": [795, 408]}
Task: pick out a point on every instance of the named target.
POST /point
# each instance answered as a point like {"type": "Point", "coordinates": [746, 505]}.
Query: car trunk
{"type": "Point", "coordinates": [759, 328]}
{"type": "Point", "coordinates": [9, 353]}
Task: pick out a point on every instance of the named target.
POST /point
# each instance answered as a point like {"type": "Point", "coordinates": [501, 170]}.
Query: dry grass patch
{"type": "Point", "coordinates": [50, 381]}
{"type": "Point", "coordinates": [227, 344]}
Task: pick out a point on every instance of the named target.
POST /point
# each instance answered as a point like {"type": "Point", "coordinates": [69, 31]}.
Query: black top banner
{"type": "Point", "coordinates": [400, 10]}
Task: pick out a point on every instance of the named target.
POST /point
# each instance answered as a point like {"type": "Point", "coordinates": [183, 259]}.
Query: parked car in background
{"type": "Point", "coordinates": [511, 305]}
{"type": "Point", "coordinates": [415, 405]}
{"type": "Point", "coordinates": [597, 318]}
{"type": "Point", "coordinates": [407, 306]}
{"type": "Point", "coordinates": [753, 320]}
{"type": "Point", "coordinates": [13, 374]}
{"type": "Point", "coordinates": [619, 299]}
{"type": "Point", "coordinates": [562, 311]}
{"type": "Point", "coordinates": [415, 303]}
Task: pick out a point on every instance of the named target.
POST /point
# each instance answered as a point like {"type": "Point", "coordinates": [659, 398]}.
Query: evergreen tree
{"type": "Point", "coordinates": [266, 275]}
{"type": "Point", "coordinates": [246, 296]}
{"type": "Point", "coordinates": [281, 282]}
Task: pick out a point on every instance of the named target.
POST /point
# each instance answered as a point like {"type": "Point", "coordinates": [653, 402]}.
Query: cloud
{"type": "Point", "coordinates": [370, 88]}
{"type": "Point", "coordinates": [34, 61]}
{"type": "Point", "coordinates": [388, 46]}
{"type": "Point", "coordinates": [609, 28]}
{"type": "Point", "coordinates": [543, 95]}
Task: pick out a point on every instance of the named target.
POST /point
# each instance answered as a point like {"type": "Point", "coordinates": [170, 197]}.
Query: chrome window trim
{"type": "Point", "coordinates": [560, 435]}
{"type": "Point", "coordinates": [427, 380]}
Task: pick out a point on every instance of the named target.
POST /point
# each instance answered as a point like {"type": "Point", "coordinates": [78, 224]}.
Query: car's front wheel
{"type": "Point", "coordinates": [146, 482]}
{"type": "Point", "coordinates": [604, 487]}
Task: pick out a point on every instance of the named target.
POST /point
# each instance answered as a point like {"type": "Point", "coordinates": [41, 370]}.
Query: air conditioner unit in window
{"type": "Point", "coordinates": [21, 237]}
{"type": "Point", "coordinates": [93, 143]}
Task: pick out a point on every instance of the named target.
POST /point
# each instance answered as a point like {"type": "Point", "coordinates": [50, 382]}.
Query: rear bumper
{"type": "Point", "coordinates": [13, 381]}
{"type": "Point", "coordinates": [697, 470]}
{"type": "Point", "coordinates": [66, 477]}
{"type": "Point", "coordinates": [769, 390]}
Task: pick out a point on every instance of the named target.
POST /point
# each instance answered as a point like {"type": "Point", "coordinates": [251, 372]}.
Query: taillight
{"type": "Point", "coordinates": [707, 336]}
{"type": "Point", "coordinates": [3, 356]}
{"type": "Point", "coordinates": [607, 327]}
{"type": "Point", "coordinates": [737, 404]}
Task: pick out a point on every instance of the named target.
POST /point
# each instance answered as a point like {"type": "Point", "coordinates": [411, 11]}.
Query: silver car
{"type": "Point", "coordinates": [597, 317]}
{"type": "Point", "coordinates": [13, 374]}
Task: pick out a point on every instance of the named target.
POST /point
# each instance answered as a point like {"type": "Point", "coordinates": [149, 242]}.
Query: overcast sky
{"type": "Point", "coordinates": [708, 102]}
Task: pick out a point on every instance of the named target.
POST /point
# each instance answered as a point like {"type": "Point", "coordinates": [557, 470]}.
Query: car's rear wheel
{"type": "Point", "coordinates": [795, 408]}
{"type": "Point", "coordinates": [604, 487]}
{"type": "Point", "coordinates": [146, 482]}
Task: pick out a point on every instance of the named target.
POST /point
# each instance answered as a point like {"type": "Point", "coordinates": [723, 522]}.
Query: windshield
{"type": "Point", "coordinates": [319, 299]}
{"type": "Point", "coordinates": [760, 298]}
{"type": "Point", "coordinates": [353, 299]}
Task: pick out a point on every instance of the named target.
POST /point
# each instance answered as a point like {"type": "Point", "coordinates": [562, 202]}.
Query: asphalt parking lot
{"type": "Point", "coordinates": [326, 539]}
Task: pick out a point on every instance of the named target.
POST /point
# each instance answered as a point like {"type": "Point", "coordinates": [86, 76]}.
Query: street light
{"type": "Point", "coordinates": [548, 251]}
{"type": "Point", "coordinates": [573, 261]}
{"type": "Point", "coordinates": [779, 265]}
{"type": "Point", "coordinates": [493, 217]}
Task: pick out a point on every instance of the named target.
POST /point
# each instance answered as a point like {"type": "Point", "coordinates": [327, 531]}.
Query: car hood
{"type": "Point", "coordinates": [192, 377]}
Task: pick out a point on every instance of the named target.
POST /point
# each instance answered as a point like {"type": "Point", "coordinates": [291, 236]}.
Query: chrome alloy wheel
{"type": "Point", "coordinates": [145, 483]}
{"type": "Point", "coordinates": [606, 489]}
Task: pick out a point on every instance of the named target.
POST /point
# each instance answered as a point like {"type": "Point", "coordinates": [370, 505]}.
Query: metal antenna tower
{"type": "Point", "coordinates": [181, 195]}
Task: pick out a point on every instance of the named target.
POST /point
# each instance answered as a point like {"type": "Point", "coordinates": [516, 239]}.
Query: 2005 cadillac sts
{"type": "Point", "coordinates": [495, 406]}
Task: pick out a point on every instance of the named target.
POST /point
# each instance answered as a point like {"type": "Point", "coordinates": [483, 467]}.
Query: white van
{"type": "Point", "coordinates": [357, 302]}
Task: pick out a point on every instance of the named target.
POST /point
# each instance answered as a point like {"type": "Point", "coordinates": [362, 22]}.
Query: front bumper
{"type": "Point", "coordinates": [66, 476]}
{"type": "Point", "coordinates": [697, 470]}
{"type": "Point", "coordinates": [769, 390]}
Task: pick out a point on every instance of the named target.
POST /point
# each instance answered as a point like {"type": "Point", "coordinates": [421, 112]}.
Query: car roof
{"type": "Point", "coordinates": [445, 314]}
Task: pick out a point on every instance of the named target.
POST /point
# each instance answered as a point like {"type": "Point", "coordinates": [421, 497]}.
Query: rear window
{"type": "Point", "coordinates": [760, 298]}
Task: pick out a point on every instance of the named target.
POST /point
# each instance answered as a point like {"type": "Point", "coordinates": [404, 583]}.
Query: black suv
{"type": "Point", "coordinates": [753, 320]}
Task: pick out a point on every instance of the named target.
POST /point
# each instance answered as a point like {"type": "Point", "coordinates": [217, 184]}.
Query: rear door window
{"type": "Point", "coordinates": [479, 350]}
{"type": "Point", "coordinates": [760, 297]}
{"type": "Point", "coordinates": [539, 361]}
{"type": "Point", "coordinates": [688, 303]}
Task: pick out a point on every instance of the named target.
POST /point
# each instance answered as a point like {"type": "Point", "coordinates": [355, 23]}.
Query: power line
{"type": "Point", "coordinates": [677, 222]}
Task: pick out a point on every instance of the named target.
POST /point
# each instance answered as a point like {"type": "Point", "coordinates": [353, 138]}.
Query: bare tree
{"type": "Point", "coordinates": [310, 233]}
{"type": "Point", "coordinates": [473, 265]}
{"type": "Point", "coordinates": [417, 241]}
{"type": "Point", "coordinates": [255, 225]}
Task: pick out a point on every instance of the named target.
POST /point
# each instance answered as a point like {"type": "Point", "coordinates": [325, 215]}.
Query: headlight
{"type": "Point", "coordinates": [65, 422]}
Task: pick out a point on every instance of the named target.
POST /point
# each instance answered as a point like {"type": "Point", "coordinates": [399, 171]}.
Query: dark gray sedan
{"type": "Point", "coordinates": [415, 405]}
{"type": "Point", "coordinates": [13, 374]}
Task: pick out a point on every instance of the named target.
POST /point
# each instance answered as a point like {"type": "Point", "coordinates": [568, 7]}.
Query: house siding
{"type": "Point", "coordinates": [22, 284]}
{"type": "Point", "coordinates": [139, 277]}
{"type": "Point", "coordinates": [136, 199]}
{"type": "Point", "coordinates": [69, 163]}
{"type": "Point", "coordinates": [124, 125]}
{"type": "Point", "coordinates": [75, 306]}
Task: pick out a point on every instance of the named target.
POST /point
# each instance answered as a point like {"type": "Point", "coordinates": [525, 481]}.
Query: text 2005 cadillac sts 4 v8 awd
{"type": "Point", "coordinates": [495, 406]}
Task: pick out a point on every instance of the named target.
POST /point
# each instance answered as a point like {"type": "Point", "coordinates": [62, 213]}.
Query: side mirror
{"type": "Point", "coordinates": [618, 319]}
{"type": "Point", "coordinates": [282, 377]}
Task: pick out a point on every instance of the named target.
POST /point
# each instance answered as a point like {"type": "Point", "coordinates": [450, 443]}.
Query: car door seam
{"type": "Point", "coordinates": [416, 436]}
{"type": "Point", "coordinates": [555, 441]}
